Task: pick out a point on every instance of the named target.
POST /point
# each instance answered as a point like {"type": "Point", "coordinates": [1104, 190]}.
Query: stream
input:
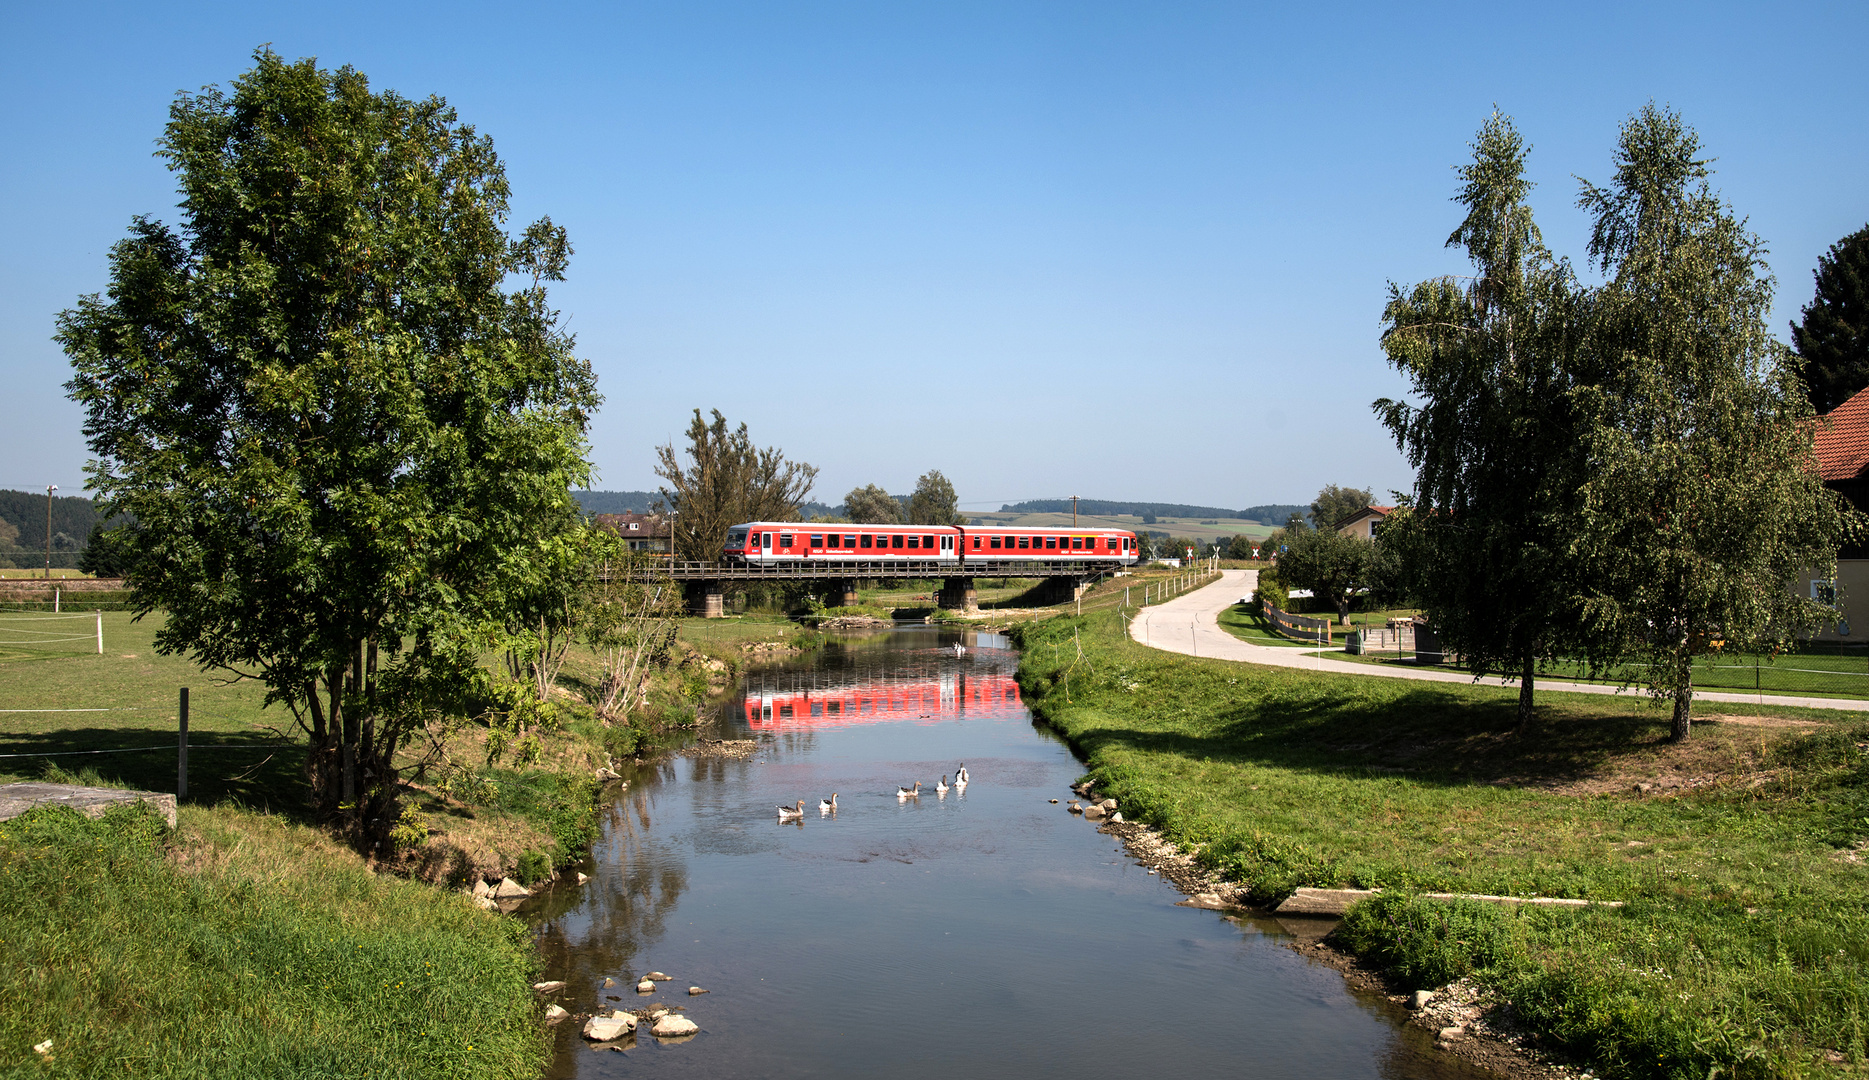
{"type": "Point", "coordinates": [987, 932]}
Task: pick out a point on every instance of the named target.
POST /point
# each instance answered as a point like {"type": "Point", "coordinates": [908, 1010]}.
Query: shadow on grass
{"type": "Point", "coordinates": [247, 769]}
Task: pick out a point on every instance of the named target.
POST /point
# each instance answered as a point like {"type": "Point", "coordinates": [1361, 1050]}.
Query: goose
{"type": "Point", "coordinates": [797, 811]}
{"type": "Point", "coordinates": [909, 793]}
{"type": "Point", "coordinates": [942, 786]}
{"type": "Point", "coordinates": [960, 776]}
{"type": "Point", "coordinates": [825, 806]}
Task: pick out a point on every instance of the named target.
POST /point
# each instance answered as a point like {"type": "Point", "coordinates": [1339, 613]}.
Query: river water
{"type": "Point", "coordinates": [987, 932]}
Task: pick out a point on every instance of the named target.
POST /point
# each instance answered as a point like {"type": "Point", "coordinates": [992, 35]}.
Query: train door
{"type": "Point", "coordinates": [765, 546]}
{"type": "Point", "coordinates": [947, 547]}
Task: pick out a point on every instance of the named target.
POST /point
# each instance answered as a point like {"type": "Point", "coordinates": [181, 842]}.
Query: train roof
{"type": "Point", "coordinates": [840, 526]}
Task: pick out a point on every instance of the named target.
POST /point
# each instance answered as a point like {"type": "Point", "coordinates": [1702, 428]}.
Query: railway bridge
{"type": "Point", "coordinates": [706, 582]}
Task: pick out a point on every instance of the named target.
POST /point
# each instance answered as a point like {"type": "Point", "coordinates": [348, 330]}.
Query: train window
{"type": "Point", "coordinates": [817, 540]}
{"type": "Point", "coordinates": [1110, 542]}
{"type": "Point", "coordinates": [928, 541]}
{"type": "Point", "coordinates": [976, 543]}
{"type": "Point", "coordinates": [1051, 541]}
{"type": "Point", "coordinates": [895, 541]}
{"type": "Point", "coordinates": [850, 541]}
{"type": "Point", "coordinates": [866, 540]}
{"type": "Point", "coordinates": [833, 541]}
{"type": "Point", "coordinates": [1025, 542]}
{"type": "Point", "coordinates": [1077, 543]}
{"type": "Point", "coordinates": [785, 540]}
{"type": "Point", "coordinates": [914, 541]}
{"type": "Point", "coordinates": [994, 543]}
{"type": "Point", "coordinates": [736, 539]}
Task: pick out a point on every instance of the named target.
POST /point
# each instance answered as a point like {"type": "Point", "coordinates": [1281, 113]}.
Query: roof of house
{"type": "Point", "coordinates": [1367, 511]}
{"type": "Point", "coordinates": [1843, 439]}
{"type": "Point", "coordinates": [634, 524]}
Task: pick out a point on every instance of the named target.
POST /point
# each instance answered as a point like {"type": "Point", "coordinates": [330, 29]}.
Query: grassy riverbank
{"type": "Point", "coordinates": [248, 942]}
{"type": "Point", "coordinates": [245, 945]}
{"type": "Point", "coordinates": [1743, 948]}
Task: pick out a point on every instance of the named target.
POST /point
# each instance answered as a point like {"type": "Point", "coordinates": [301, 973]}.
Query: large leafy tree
{"type": "Point", "coordinates": [1703, 504]}
{"type": "Point", "coordinates": [872, 505]}
{"type": "Point", "coordinates": [727, 481]}
{"type": "Point", "coordinates": [1333, 566]}
{"type": "Point", "coordinates": [1833, 338]}
{"type": "Point", "coordinates": [1334, 505]}
{"type": "Point", "coordinates": [341, 437]}
{"type": "Point", "coordinates": [934, 502]}
{"type": "Point", "coordinates": [1494, 439]}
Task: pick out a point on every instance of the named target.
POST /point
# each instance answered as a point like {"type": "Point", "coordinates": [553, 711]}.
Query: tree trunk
{"type": "Point", "coordinates": [1683, 703]}
{"type": "Point", "coordinates": [1525, 694]}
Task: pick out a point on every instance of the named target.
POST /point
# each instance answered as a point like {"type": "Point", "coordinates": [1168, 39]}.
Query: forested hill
{"type": "Point", "coordinates": [72, 518]}
{"type": "Point", "coordinates": [1272, 514]}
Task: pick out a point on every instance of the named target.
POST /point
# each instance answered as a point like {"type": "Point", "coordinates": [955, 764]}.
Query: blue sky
{"type": "Point", "coordinates": [1115, 250]}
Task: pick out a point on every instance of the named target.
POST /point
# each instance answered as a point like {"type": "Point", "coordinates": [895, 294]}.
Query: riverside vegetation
{"type": "Point", "coordinates": [281, 950]}
{"type": "Point", "coordinates": [1741, 948]}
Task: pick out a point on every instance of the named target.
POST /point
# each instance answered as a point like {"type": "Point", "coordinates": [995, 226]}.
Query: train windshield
{"type": "Point", "coordinates": [736, 538]}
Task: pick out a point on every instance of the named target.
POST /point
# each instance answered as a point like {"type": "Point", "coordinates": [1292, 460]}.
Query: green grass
{"type": "Point", "coordinates": [1744, 945]}
{"type": "Point", "coordinates": [246, 946]}
{"type": "Point", "coordinates": [1245, 622]}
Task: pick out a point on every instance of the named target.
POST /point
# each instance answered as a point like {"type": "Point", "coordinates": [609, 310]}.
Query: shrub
{"type": "Point", "coordinates": [533, 866]}
{"type": "Point", "coordinates": [1430, 943]}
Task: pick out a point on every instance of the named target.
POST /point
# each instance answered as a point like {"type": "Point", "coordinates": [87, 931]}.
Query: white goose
{"type": "Point", "coordinates": [788, 812]}
{"type": "Point", "coordinates": [960, 776]}
{"type": "Point", "coordinates": [903, 793]}
{"type": "Point", "coordinates": [825, 806]}
{"type": "Point", "coordinates": [942, 786]}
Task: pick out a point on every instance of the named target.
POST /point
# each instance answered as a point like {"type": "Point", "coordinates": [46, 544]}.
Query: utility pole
{"type": "Point", "coordinates": [49, 489]}
{"type": "Point", "coordinates": [1073, 512]}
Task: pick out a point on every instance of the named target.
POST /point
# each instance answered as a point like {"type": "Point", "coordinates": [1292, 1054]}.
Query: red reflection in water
{"type": "Point", "coordinates": [878, 702]}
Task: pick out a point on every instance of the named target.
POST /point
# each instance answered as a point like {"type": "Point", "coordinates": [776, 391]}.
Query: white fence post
{"type": "Point", "coordinates": [100, 631]}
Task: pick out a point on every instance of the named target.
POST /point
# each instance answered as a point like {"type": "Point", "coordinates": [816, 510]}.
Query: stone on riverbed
{"type": "Point", "coordinates": [1422, 997]}
{"type": "Point", "coordinates": [672, 1025]}
{"type": "Point", "coordinates": [647, 986]}
{"type": "Point", "coordinates": [1093, 812]}
{"type": "Point", "coordinates": [509, 889]}
{"type": "Point", "coordinates": [549, 987]}
{"type": "Point", "coordinates": [606, 1028]}
{"type": "Point", "coordinates": [1116, 816]}
{"type": "Point", "coordinates": [555, 1013]}
{"type": "Point", "coordinates": [693, 990]}
{"type": "Point", "coordinates": [658, 976]}
{"type": "Point", "coordinates": [1108, 804]}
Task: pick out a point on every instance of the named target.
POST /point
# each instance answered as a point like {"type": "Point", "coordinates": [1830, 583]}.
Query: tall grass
{"type": "Point", "coordinates": [244, 946]}
{"type": "Point", "coordinates": [1743, 948]}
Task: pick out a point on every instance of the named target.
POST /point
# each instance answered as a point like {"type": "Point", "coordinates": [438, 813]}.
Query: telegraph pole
{"type": "Point", "coordinates": [1073, 513]}
{"type": "Point", "coordinates": [49, 489]}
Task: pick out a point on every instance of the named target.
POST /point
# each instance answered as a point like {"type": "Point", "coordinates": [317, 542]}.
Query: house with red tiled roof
{"type": "Point", "coordinates": [644, 532]}
{"type": "Point", "coordinates": [1842, 450]}
{"type": "Point", "coordinates": [1363, 523]}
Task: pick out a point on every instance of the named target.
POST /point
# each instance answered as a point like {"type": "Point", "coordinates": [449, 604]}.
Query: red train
{"type": "Point", "coordinates": [762, 542]}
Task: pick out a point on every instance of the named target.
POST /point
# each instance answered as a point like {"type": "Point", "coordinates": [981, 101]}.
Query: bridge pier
{"type": "Point", "coordinates": [957, 594]}
{"type": "Point", "coordinates": [1064, 590]}
{"type": "Point", "coordinates": [706, 599]}
{"type": "Point", "coordinates": [845, 592]}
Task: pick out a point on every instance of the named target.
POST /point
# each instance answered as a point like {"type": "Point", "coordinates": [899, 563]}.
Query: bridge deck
{"type": "Point", "coordinates": [806, 570]}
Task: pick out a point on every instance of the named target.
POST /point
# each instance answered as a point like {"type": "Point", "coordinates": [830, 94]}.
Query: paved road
{"type": "Point", "coordinates": [1189, 624]}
